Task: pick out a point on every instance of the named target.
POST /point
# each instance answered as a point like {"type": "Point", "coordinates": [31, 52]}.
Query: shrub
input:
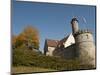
{"type": "Point", "coordinates": [24, 57]}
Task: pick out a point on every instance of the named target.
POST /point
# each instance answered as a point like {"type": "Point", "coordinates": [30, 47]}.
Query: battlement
{"type": "Point", "coordinates": [82, 31]}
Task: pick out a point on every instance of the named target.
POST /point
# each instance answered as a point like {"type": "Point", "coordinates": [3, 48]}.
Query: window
{"type": "Point", "coordinates": [87, 36]}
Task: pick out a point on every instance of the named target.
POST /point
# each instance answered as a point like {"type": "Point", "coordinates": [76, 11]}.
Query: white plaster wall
{"type": "Point", "coordinates": [50, 51]}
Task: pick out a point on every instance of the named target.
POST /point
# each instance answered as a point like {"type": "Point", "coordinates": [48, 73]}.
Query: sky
{"type": "Point", "coordinates": [51, 19]}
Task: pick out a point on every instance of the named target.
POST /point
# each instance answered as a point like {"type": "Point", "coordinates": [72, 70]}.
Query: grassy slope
{"type": "Point", "coordinates": [23, 59]}
{"type": "Point", "coordinates": [28, 69]}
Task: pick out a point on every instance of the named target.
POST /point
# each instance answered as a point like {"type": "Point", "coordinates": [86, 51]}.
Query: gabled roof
{"type": "Point", "coordinates": [56, 43]}
{"type": "Point", "coordinates": [63, 40]}
{"type": "Point", "coordinates": [66, 41]}
{"type": "Point", "coordinates": [52, 43]}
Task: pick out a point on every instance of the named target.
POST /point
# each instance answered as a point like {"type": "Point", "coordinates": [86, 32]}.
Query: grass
{"type": "Point", "coordinates": [28, 69]}
{"type": "Point", "coordinates": [28, 61]}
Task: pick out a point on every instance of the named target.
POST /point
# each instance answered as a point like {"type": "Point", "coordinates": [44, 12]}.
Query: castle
{"type": "Point", "coordinates": [79, 44]}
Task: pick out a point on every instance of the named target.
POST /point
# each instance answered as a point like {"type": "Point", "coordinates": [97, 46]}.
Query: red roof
{"type": "Point", "coordinates": [52, 43]}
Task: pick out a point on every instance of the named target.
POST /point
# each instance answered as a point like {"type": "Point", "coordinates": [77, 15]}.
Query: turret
{"type": "Point", "coordinates": [74, 23]}
{"type": "Point", "coordinates": [85, 48]}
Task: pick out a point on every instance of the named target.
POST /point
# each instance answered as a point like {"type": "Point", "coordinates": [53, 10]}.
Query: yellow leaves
{"type": "Point", "coordinates": [14, 39]}
{"type": "Point", "coordinates": [29, 35]}
{"type": "Point", "coordinates": [21, 38]}
{"type": "Point", "coordinates": [30, 29]}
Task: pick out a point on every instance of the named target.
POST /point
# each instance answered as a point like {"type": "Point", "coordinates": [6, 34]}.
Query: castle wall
{"type": "Point", "coordinates": [67, 53]}
{"type": "Point", "coordinates": [85, 47]}
{"type": "Point", "coordinates": [84, 37]}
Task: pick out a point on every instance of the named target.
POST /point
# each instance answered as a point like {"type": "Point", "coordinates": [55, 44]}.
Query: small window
{"type": "Point", "coordinates": [87, 36]}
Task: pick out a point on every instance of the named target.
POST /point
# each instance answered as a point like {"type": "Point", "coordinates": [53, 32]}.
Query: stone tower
{"type": "Point", "coordinates": [74, 24]}
{"type": "Point", "coordinates": [84, 43]}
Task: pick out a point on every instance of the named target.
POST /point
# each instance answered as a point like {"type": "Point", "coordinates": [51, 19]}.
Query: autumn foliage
{"type": "Point", "coordinates": [29, 37]}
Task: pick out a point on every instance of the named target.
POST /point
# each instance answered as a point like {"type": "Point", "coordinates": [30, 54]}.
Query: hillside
{"type": "Point", "coordinates": [31, 58]}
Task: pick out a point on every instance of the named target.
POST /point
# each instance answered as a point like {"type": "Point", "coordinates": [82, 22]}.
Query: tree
{"type": "Point", "coordinates": [14, 41]}
{"type": "Point", "coordinates": [29, 37]}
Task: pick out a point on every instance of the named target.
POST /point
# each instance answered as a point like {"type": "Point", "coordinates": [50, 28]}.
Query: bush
{"type": "Point", "coordinates": [24, 57]}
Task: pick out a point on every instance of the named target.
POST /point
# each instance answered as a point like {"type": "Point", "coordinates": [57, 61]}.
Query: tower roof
{"type": "Point", "coordinates": [74, 19]}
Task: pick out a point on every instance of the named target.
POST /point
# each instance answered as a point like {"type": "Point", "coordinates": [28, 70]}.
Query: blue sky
{"type": "Point", "coordinates": [52, 20]}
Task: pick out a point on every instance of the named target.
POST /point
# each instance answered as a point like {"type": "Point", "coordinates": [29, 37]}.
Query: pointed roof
{"type": "Point", "coordinates": [57, 43]}
{"type": "Point", "coordinates": [63, 40]}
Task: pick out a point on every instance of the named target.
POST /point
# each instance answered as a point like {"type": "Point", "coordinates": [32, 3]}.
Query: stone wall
{"type": "Point", "coordinates": [85, 46]}
{"type": "Point", "coordinates": [67, 53]}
